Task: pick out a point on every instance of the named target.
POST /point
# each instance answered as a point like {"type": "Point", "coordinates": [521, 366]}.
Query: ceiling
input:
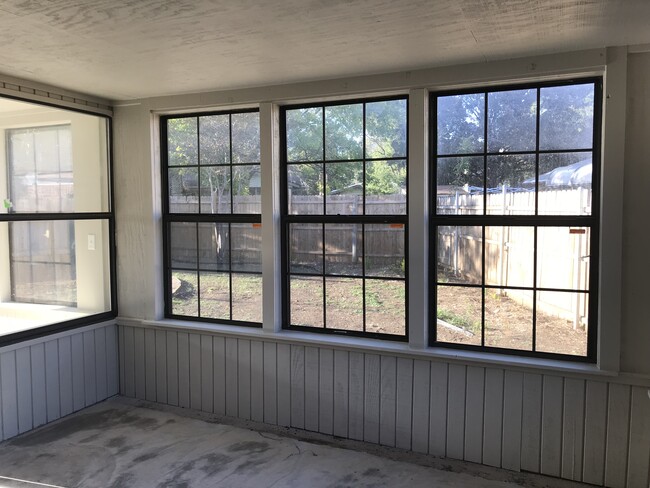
{"type": "Point", "coordinates": [127, 49]}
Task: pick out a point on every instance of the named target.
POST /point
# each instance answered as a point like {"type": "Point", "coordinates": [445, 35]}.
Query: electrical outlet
{"type": "Point", "coordinates": [91, 242]}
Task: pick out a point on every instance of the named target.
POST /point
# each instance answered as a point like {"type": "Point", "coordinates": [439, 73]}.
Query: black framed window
{"type": "Point", "coordinates": [514, 214]}
{"type": "Point", "coordinates": [57, 262]}
{"type": "Point", "coordinates": [212, 205]}
{"type": "Point", "coordinates": [344, 222]}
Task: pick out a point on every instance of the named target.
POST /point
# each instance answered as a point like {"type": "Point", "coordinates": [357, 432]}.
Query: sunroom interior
{"type": "Point", "coordinates": [413, 232]}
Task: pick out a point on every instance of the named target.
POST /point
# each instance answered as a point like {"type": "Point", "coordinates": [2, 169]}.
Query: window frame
{"type": "Point", "coordinates": [169, 218]}
{"type": "Point", "coordinates": [593, 221]}
{"type": "Point", "coordinates": [108, 216]}
{"type": "Point", "coordinates": [287, 219]}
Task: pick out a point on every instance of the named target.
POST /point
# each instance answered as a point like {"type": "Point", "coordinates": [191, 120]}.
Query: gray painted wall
{"type": "Point", "coordinates": [527, 415]}
{"type": "Point", "coordinates": [45, 379]}
{"type": "Point", "coordinates": [591, 430]}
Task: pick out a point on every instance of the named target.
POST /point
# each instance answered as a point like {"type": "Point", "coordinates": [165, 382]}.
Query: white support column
{"type": "Point", "coordinates": [271, 264]}
{"type": "Point", "coordinates": [611, 230]}
{"type": "Point", "coordinates": [418, 229]}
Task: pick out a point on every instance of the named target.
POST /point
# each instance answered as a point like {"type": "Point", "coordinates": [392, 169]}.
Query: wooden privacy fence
{"type": "Point", "coordinates": [562, 252]}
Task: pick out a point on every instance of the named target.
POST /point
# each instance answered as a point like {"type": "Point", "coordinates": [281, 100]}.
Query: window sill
{"type": "Point", "coordinates": [527, 364]}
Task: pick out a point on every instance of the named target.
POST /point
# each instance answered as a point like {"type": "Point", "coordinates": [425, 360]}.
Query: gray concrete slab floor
{"type": "Point", "coordinates": [125, 443]}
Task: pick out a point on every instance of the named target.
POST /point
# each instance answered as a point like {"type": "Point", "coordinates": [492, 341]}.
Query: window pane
{"type": "Point", "coordinates": [305, 134]}
{"type": "Point", "coordinates": [184, 290]}
{"type": "Point", "coordinates": [563, 257]}
{"type": "Point", "coordinates": [567, 117]}
{"type": "Point", "coordinates": [461, 124]}
{"type": "Point", "coordinates": [386, 307]}
{"type": "Point", "coordinates": [384, 250]}
{"type": "Point", "coordinates": [344, 249]}
{"type": "Point", "coordinates": [215, 295]}
{"type": "Point", "coordinates": [386, 129]}
{"type": "Point", "coordinates": [458, 312]}
{"type": "Point", "coordinates": [305, 188]}
{"type": "Point", "coordinates": [215, 190]}
{"type": "Point", "coordinates": [509, 319]}
{"type": "Point", "coordinates": [214, 246]}
{"type": "Point", "coordinates": [344, 188]}
{"type": "Point", "coordinates": [562, 319]}
{"type": "Point", "coordinates": [214, 135]}
{"type": "Point", "coordinates": [508, 179]}
{"type": "Point", "coordinates": [306, 301]}
{"type": "Point", "coordinates": [182, 238]}
{"type": "Point", "coordinates": [182, 142]}
{"type": "Point", "coordinates": [512, 120]}
{"type": "Point", "coordinates": [247, 297]}
{"type": "Point", "coordinates": [246, 138]}
{"type": "Point", "coordinates": [344, 303]}
{"type": "Point", "coordinates": [509, 256]}
{"type": "Point", "coordinates": [183, 190]}
{"type": "Point", "coordinates": [246, 185]}
{"type": "Point", "coordinates": [459, 254]}
{"type": "Point", "coordinates": [386, 188]}
{"type": "Point", "coordinates": [246, 247]}
{"type": "Point", "coordinates": [306, 248]}
{"type": "Point", "coordinates": [565, 183]}
{"type": "Point", "coordinates": [344, 132]}
{"type": "Point", "coordinates": [459, 185]}
{"type": "Point", "coordinates": [53, 271]}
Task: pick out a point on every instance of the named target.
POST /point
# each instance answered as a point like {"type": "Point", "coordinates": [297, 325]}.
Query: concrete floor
{"type": "Point", "coordinates": [126, 443]}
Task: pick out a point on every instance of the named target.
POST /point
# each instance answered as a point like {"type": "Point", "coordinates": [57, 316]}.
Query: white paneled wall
{"type": "Point", "coordinates": [579, 429]}
{"type": "Point", "coordinates": [49, 378]}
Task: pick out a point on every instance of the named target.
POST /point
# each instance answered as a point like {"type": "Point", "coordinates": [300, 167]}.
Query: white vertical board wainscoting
{"type": "Point", "coordinates": [579, 429]}
{"type": "Point", "coordinates": [51, 377]}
